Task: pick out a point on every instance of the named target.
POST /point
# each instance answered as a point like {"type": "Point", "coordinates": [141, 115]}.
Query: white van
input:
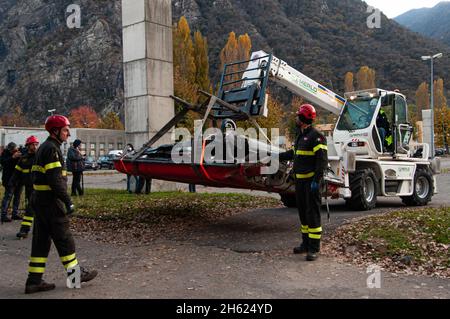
{"type": "Point", "coordinates": [115, 153]}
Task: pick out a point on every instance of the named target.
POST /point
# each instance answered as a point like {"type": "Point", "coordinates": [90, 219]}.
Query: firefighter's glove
{"type": "Point", "coordinates": [70, 209]}
{"type": "Point", "coordinates": [315, 187]}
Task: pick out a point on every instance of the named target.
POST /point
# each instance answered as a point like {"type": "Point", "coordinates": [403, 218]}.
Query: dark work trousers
{"type": "Point", "coordinates": [28, 217]}
{"type": "Point", "coordinates": [9, 194]}
{"type": "Point", "coordinates": [308, 204]}
{"type": "Point", "coordinates": [141, 182]}
{"type": "Point", "coordinates": [76, 183]}
{"type": "Point", "coordinates": [50, 224]}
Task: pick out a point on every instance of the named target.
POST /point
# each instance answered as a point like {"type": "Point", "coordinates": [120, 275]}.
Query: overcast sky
{"type": "Point", "coordinates": [393, 8]}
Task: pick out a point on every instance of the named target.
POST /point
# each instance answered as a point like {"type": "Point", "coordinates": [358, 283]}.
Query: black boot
{"type": "Point", "coordinates": [314, 249]}
{"type": "Point", "coordinates": [16, 217]}
{"type": "Point", "coordinates": [312, 256]}
{"type": "Point", "coordinates": [23, 233]}
{"type": "Point", "coordinates": [5, 219]}
{"type": "Point", "coordinates": [303, 248]}
{"type": "Point", "coordinates": [31, 288]}
{"type": "Point", "coordinates": [87, 275]}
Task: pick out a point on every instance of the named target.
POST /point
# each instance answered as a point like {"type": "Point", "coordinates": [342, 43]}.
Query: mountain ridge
{"type": "Point", "coordinates": [45, 65]}
{"type": "Point", "coordinates": [431, 22]}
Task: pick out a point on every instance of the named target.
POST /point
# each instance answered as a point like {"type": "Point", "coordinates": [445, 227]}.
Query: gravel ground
{"type": "Point", "coordinates": [242, 256]}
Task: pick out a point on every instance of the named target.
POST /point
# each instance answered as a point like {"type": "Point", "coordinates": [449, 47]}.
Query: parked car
{"type": "Point", "coordinates": [440, 152]}
{"type": "Point", "coordinates": [116, 153]}
{"type": "Point", "coordinates": [90, 163]}
{"type": "Point", "coordinates": [105, 162]}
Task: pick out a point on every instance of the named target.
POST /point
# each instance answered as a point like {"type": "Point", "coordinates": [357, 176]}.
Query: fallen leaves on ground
{"type": "Point", "coordinates": [413, 241]}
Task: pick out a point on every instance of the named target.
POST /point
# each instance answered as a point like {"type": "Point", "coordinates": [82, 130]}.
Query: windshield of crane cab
{"type": "Point", "coordinates": [357, 114]}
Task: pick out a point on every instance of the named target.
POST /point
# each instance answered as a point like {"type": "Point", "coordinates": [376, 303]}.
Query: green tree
{"type": "Point", "coordinates": [111, 121]}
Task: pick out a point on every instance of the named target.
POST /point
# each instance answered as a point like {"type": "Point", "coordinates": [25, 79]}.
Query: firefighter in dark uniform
{"type": "Point", "coordinates": [384, 128]}
{"type": "Point", "coordinates": [52, 206]}
{"type": "Point", "coordinates": [22, 177]}
{"type": "Point", "coordinates": [310, 162]}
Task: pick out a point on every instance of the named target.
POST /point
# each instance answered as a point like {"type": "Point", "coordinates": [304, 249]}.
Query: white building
{"type": "Point", "coordinates": [95, 142]}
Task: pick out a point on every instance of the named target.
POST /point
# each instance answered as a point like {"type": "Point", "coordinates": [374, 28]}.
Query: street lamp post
{"type": "Point", "coordinates": [431, 58]}
{"type": "Point", "coordinates": [51, 111]}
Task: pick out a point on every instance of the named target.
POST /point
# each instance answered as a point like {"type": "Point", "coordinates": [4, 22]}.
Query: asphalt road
{"type": "Point", "coordinates": [244, 256]}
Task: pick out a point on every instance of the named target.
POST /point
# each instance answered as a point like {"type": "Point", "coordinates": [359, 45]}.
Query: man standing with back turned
{"type": "Point", "coordinates": [310, 162]}
{"type": "Point", "coordinates": [53, 206]}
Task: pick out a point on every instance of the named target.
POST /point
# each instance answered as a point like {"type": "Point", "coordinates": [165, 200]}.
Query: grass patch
{"type": "Point", "coordinates": [394, 241]}
{"type": "Point", "coordinates": [159, 206]}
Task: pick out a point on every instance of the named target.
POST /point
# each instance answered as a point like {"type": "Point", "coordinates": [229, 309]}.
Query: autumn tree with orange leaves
{"type": "Point", "coordinates": [17, 118]}
{"type": "Point", "coordinates": [84, 117]}
{"type": "Point", "coordinates": [349, 82]}
{"type": "Point", "coordinates": [236, 49]}
{"type": "Point", "coordinates": [366, 78]}
{"type": "Point", "coordinates": [191, 66]}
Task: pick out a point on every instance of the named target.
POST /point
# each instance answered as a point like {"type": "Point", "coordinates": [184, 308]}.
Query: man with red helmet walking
{"type": "Point", "coordinates": [22, 177]}
{"type": "Point", "coordinates": [53, 206]}
{"type": "Point", "coordinates": [310, 162]}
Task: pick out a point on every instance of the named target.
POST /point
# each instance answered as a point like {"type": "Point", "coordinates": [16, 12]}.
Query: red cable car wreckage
{"type": "Point", "coordinates": [246, 162]}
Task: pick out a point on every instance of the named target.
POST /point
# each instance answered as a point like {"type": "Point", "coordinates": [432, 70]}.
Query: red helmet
{"type": "Point", "coordinates": [31, 140]}
{"type": "Point", "coordinates": [307, 111]}
{"type": "Point", "coordinates": [56, 121]}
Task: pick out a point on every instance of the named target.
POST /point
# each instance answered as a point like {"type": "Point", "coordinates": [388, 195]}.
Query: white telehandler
{"type": "Point", "coordinates": [365, 161]}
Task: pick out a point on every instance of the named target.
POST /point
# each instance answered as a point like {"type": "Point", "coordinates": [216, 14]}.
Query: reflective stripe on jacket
{"type": "Point", "coordinates": [49, 174]}
{"type": "Point", "coordinates": [310, 154]}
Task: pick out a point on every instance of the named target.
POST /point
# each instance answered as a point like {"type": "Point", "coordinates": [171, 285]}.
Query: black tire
{"type": "Point", "coordinates": [289, 200]}
{"type": "Point", "coordinates": [364, 187]}
{"type": "Point", "coordinates": [422, 193]}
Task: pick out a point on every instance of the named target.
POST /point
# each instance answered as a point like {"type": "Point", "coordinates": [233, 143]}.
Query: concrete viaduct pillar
{"type": "Point", "coordinates": [148, 68]}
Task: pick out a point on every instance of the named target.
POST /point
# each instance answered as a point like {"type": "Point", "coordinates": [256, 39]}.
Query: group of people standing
{"type": "Point", "coordinates": [17, 165]}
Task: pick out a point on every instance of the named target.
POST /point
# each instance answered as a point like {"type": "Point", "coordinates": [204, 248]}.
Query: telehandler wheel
{"type": "Point", "coordinates": [423, 189]}
{"type": "Point", "coordinates": [364, 187]}
{"type": "Point", "coordinates": [289, 200]}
